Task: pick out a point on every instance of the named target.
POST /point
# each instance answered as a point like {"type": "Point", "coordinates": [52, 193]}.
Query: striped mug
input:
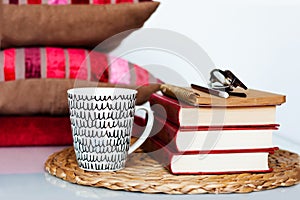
{"type": "Point", "coordinates": [101, 122]}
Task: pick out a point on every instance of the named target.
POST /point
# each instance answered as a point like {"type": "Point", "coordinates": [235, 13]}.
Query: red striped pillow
{"type": "Point", "coordinates": [65, 2]}
{"type": "Point", "coordinates": [70, 63]}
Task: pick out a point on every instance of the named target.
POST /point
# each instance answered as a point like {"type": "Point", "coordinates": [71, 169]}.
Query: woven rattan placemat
{"type": "Point", "coordinates": [144, 174]}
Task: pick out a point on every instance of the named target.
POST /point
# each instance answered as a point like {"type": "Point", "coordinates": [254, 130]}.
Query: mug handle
{"type": "Point", "coordinates": [147, 130]}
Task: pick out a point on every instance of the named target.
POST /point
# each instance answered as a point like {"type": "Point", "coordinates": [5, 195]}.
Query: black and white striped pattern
{"type": "Point", "coordinates": [101, 127]}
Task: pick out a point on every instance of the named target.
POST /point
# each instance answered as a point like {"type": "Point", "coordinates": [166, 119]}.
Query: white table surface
{"type": "Point", "coordinates": [29, 181]}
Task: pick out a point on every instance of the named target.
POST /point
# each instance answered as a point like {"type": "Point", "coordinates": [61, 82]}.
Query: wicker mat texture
{"type": "Point", "coordinates": [143, 174]}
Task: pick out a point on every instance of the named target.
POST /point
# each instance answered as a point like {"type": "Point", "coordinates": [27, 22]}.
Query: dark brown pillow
{"type": "Point", "coordinates": [69, 25]}
{"type": "Point", "coordinates": [49, 96]}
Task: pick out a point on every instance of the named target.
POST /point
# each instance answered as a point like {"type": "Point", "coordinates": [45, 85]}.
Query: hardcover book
{"type": "Point", "coordinates": [217, 138]}
{"type": "Point", "coordinates": [197, 97]}
{"type": "Point", "coordinates": [211, 162]}
{"type": "Point", "coordinates": [183, 114]}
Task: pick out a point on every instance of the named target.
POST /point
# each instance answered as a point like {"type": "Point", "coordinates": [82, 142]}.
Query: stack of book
{"type": "Point", "coordinates": [230, 136]}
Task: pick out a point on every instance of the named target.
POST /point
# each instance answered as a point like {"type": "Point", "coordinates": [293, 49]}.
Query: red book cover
{"type": "Point", "coordinates": [171, 107]}
{"type": "Point", "coordinates": [167, 158]}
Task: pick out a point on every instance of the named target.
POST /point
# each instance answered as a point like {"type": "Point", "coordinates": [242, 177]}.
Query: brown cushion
{"type": "Point", "coordinates": [49, 96]}
{"type": "Point", "coordinates": [69, 25]}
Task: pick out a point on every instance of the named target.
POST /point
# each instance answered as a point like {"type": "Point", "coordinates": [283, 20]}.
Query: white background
{"type": "Point", "coordinates": [259, 40]}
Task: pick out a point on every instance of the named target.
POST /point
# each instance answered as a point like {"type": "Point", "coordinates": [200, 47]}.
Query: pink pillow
{"type": "Point", "coordinates": [40, 77]}
{"type": "Point", "coordinates": [70, 63]}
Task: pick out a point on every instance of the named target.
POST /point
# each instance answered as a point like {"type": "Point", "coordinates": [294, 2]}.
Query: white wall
{"type": "Point", "coordinates": [257, 39]}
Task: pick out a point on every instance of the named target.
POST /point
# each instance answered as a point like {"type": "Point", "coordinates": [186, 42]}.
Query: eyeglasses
{"type": "Point", "coordinates": [226, 81]}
